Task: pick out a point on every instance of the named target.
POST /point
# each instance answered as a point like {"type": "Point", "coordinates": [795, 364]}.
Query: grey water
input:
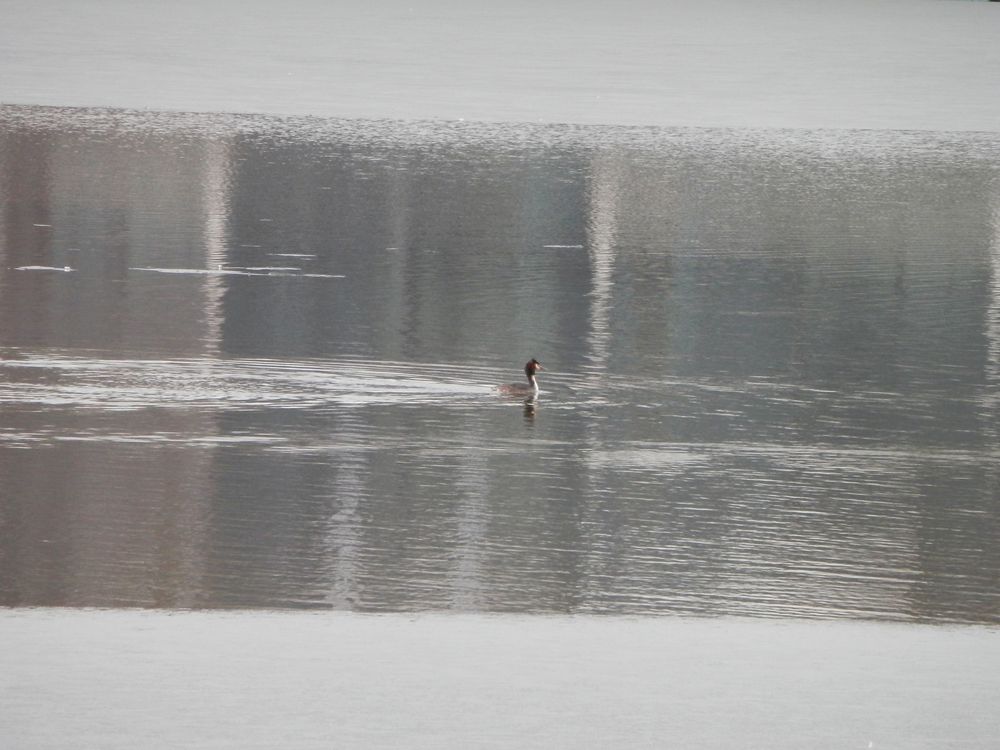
{"type": "Point", "coordinates": [257, 487]}
{"type": "Point", "coordinates": [250, 362]}
{"type": "Point", "coordinates": [885, 64]}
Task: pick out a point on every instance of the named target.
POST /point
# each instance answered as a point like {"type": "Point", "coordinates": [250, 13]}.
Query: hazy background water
{"type": "Point", "coordinates": [248, 362]}
{"type": "Point", "coordinates": [887, 64]}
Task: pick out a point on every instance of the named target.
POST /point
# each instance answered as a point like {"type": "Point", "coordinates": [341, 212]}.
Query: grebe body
{"type": "Point", "coordinates": [529, 389]}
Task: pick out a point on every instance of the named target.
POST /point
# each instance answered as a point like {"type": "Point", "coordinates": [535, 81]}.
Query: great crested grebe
{"type": "Point", "coordinates": [520, 389]}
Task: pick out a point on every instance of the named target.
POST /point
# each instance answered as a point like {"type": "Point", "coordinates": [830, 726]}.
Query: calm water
{"type": "Point", "coordinates": [249, 362]}
{"type": "Point", "coordinates": [885, 64]}
{"type": "Point", "coordinates": [117, 678]}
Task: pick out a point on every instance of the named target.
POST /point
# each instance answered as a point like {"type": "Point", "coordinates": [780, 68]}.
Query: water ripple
{"type": "Point", "coordinates": [52, 380]}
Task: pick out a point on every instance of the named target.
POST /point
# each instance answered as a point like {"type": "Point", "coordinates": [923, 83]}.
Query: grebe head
{"type": "Point", "coordinates": [532, 367]}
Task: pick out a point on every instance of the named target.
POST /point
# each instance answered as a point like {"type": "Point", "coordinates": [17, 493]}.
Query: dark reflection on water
{"type": "Point", "coordinates": [248, 362]}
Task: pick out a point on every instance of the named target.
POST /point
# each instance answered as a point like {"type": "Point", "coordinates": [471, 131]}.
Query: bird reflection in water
{"type": "Point", "coordinates": [530, 404]}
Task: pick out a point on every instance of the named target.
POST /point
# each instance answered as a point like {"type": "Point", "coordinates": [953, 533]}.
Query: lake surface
{"type": "Point", "coordinates": [257, 488]}
{"type": "Point", "coordinates": [115, 678]}
{"type": "Point", "coordinates": [886, 64]}
{"type": "Point", "coordinates": [249, 362]}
